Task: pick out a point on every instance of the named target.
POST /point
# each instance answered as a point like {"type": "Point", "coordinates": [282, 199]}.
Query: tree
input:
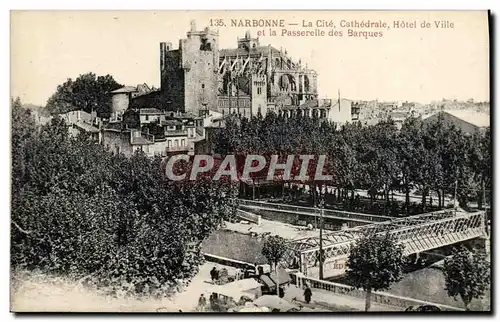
{"type": "Point", "coordinates": [23, 131]}
{"type": "Point", "coordinates": [273, 249]}
{"type": "Point", "coordinates": [79, 211]}
{"type": "Point", "coordinates": [88, 92]}
{"type": "Point", "coordinates": [431, 156]}
{"type": "Point", "coordinates": [374, 263]}
{"type": "Point", "coordinates": [409, 149]}
{"type": "Point", "coordinates": [467, 274]}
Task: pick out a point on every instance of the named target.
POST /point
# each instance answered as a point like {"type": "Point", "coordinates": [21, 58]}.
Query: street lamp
{"type": "Point", "coordinates": [322, 210]}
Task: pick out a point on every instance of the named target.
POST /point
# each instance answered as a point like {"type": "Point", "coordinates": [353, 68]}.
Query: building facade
{"type": "Point", "coordinates": [155, 132]}
{"type": "Point", "coordinates": [79, 121]}
{"type": "Point", "coordinates": [246, 80]}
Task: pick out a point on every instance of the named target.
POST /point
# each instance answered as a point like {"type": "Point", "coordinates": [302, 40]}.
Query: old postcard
{"type": "Point", "coordinates": [250, 161]}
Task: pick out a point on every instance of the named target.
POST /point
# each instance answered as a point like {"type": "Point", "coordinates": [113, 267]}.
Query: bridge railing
{"type": "Point", "coordinates": [417, 238]}
{"type": "Point", "coordinates": [227, 261]}
{"type": "Point", "coordinates": [315, 211]}
{"type": "Point", "coordinates": [377, 297]}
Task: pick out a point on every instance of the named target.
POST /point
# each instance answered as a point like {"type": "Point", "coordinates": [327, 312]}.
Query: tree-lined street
{"type": "Point", "coordinates": [436, 159]}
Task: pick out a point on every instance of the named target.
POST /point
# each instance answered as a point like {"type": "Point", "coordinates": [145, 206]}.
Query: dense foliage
{"type": "Point", "coordinates": [374, 263]}
{"type": "Point", "coordinates": [87, 92]}
{"type": "Point", "coordinates": [82, 211]}
{"type": "Point", "coordinates": [379, 158]}
{"type": "Point", "coordinates": [467, 274]}
{"type": "Point", "coordinates": [273, 249]}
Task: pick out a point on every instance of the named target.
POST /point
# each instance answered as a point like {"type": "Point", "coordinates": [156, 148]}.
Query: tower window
{"type": "Point", "coordinates": [202, 85]}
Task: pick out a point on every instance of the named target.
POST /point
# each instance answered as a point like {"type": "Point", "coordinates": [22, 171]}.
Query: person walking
{"type": "Point", "coordinates": [202, 302]}
{"type": "Point", "coordinates": [212, 301]}
{"type": "Point", "coordinates": [213, 274]}
{"type": "Point", "coordinates": [307, 294]}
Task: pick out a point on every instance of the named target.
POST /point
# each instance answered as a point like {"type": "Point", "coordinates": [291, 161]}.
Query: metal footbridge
{"type": "Point", "coordinates": [417, 233]}
{"type": "Point", "coordinates": [353, 217]}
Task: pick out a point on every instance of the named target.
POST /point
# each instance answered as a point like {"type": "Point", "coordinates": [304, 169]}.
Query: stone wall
{"type": "Point", "coordinates": [245, 215]}
{"type": "Point", "coordinates": [120, 102]}
{"type": "Point", "coordinates": [189, 78]}
{"type": "Point", "coordinates": [172, 81]}
{"type": "Point", "coordinates": [117, 141]}
{"type": "Point", "coordinates": [280, 216]}
{"type": "Point", "coordinates": [376, 297]}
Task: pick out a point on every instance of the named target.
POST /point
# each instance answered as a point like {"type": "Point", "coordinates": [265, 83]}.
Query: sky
{"type": "Point", "coordinates": [405, 64]}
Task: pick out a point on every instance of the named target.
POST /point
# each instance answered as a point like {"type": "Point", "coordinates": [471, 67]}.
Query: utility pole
{"type": "Point", "coordinates": [483, 193]}
{"type": "Point", "coordinates": [321, 259]}
{"type": "Point", "coordinates": [277, 280]}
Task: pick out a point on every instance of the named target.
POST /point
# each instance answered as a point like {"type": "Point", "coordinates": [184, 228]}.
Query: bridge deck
{"type": "Point", "coordinates": [417, 233]}
{"type": "Point", "coordinates": [364, 221]}
{"type": "Point", "coordinates": [311, 211]}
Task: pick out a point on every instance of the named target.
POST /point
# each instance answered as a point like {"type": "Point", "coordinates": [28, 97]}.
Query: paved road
{"type": "Point", "coordinates": [274, 228]}
{"type": "Point", "coordinates": [40, 293]}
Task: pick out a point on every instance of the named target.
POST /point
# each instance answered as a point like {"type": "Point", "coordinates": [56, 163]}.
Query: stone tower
{"type": "Point", "coordinates": [259, 94]}
{"type": "Point", "coordinates": [189, 78]}
{"type": "Point", "coordinates": [248, 43]}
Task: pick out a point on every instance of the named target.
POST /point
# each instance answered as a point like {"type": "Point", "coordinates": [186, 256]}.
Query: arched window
{"type": "Point", "coordinates": [287, 83]}
{"type": "Point", "coordinates": [306, 84]}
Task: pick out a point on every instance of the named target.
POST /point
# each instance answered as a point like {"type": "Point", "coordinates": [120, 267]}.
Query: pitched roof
{"type": "Point", "coordinates": [242, 52]}
{"type": "Point", "coordinates": [143, 88]}
{"type": "Point", "coordinates": [267, 281]}
{"type": "Point", "coordinates": [479, 119]}
{"type": "Point", "coordinates": [310, 104]}
{"type": "Point", "coordinates": [172, 122]}
{"type": "Point", "coordinates": [125, 89]}
{"type": "Point", "coordinates": [87, 127]}
{"type": "Point", "coordinates": [281, 277]}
